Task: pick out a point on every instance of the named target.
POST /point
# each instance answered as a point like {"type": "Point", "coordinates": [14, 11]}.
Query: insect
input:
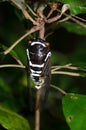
{"type": "Point", "coordinates": [38, 54]}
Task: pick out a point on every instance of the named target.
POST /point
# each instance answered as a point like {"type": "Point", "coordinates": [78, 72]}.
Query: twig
{"type": "Point", "coordinates": [66, 73]}
{"type": "Point", "coordinates": [28, 17]}
{"type": "Point", "coordinates": [25, 13]}
{"type": "Point", "coordinates": [77, 17]}
{"type": "Point", "coordinates": [73, 19]}
{"type": "Point", "coordinates": [18, 61]}
{"type": "Point", "coordinates": [50, 33]}
{"type": "Point", "coordinates": [64, 19]}
{"type": "Point", "coordinates": [21, 38]}
{"type": "Point", "coordinates": [51, 20]}
{"type": "Point", "coordinates": [53, 8]}
{"type": "Point", "coordinates": [54, 70]}
{"type": "Point", "coordinates": [59, 89]}
{"type": "Point", "coordinates": [16, 4]}
{"type": "Point", "coordinates": [37, 111]}
{"type": "Point", "coordinates": [65, 7]}
{"type": "Point", "coordinates": [31, 10]}
{"type": "Point", "coordinates": [12, 65]}
{"type": "Point", "coordinates": [67, 66]}
{"type": "Point", "coordinates": [78, 22]}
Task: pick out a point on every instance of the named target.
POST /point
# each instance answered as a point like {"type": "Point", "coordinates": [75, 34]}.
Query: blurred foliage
{"type": "Point", "coordinates": [68, 45]}
{"type": "Point", "coordinates": [70, 27]}
{"type": "Point", "coordinates": [10, 120]}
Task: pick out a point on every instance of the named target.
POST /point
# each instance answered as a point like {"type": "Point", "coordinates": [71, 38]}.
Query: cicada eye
{"type": "Point", "coordinates": [29, 42]}
{"type": "Point", "coordinates": [47, 44]}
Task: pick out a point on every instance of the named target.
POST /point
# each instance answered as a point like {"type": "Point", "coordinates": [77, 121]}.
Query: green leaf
{"type": "Point", "coordinates": [12, 121]}
{"type": "Point", "coordinates": [76, 6]}
{"type": "Point", "coordinates": [74, 27]}
{"type": "Point", "coordinates": [74, 108]}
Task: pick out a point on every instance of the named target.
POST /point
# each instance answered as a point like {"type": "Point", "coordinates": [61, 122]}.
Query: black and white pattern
{"type": "Point", "coordinates": [38, 53]}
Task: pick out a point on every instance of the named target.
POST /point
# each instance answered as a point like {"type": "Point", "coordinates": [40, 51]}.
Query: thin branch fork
{"type": "Point", "coordinates": [53, 8]}
{"type": "Point", "coordinates": [67, 66]}
{"type": "Point", "coordinates": [25, 13]}
{"type": "Point", "coordinates": [73, 18]}
{"type": "Point", "coordinates": [28, 17]}
{"type": "Point", "coordinates": [65, 7]}
{"type": "Point", "coordinates": [54, 70]}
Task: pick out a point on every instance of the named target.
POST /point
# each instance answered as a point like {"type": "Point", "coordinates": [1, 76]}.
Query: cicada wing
{"type": "Point", "coordinates": [46, 86]}
{"type": "Point", "coordinates": [29, 92]}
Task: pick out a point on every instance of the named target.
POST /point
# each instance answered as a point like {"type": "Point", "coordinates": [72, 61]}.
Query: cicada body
{"type": "Point", "coordinates": [38, 53]}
